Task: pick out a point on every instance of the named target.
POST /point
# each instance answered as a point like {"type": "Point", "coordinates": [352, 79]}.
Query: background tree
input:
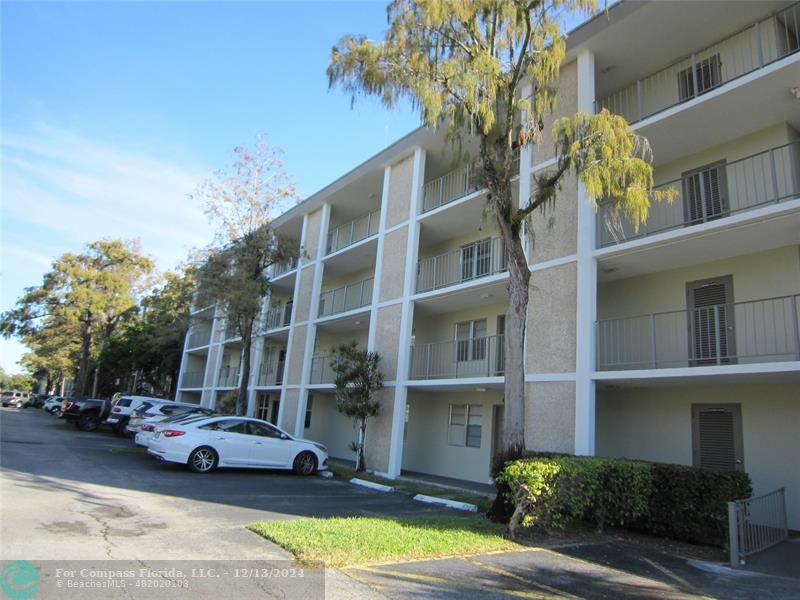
{"type": "Point", "coordinates": [357, 379]}
{"type": "Point", "coordinates": [242, 200]}
{"type": "Point", "coordinates": [18, 381]}
{"type": "Point", "coordinates": [88, 295]}
{"type": "Point", "coordinates": [464, 64]}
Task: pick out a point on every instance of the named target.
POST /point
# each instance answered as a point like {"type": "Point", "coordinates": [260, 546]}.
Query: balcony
{"type": "Point", "coordinates": [353, 231]}
{"type": "Point", "coordinates": [746, 51]}
{"type": "Point", "coordinates": [321, 371]}
{"type": "Point", "coordinates": [472, 261]}
{"type": "Point", "coordinates": [460, 359]}
{"type": "Point", "coordinates": [281, 269]}
{"type": "Point", "coordinates": [277, 317]}
{"type": "Point", "coordinates": [713, 192]}
{"type": "Point", "coordinates": [192, 379]}
{"type": "Point", "coordinates": [271, 373]}
{"type": "Point", "coordinates": [453, 185]}
{"type": "Point", "coordinates": [346, 298]}
{"type": "Point", "coordinates": [199, 337]}
{"type": "Point", "coordinates": [739, 333]}
{"type": "Point", "coordinates": [228, 377]}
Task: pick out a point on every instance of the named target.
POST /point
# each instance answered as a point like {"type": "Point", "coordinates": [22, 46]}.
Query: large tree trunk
{"type": "Point", "coordinates": [361, 464]}
{"type": "Point", "coordinates": [96, 380]}
{"type": "Point", "coordinates": [241, 399]}
{"type": "Point", "coordinates": [83, 362]}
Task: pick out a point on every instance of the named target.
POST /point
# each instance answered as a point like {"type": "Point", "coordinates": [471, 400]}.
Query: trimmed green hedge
{"type": "Point", "coordinates": [675, 501]}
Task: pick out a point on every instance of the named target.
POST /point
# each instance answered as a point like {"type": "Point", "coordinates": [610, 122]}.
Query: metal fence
{"type": "Point", "coordinates": [228, 376]}
{"type": "Point", "coordinates": [283, 268]}
{"type": "Point", "coordinates": [746, 51]}
{"type": "Point", "coordinates": [744, 332]}
{"type": "Point", "coordinates": [199, 336]}
{"type": "Point", "coordinates": [192, 379]}
{"type": "Point", "coordinates": [454, 184]}
{"type": "Point", "coordinates": [458, 359]}
{"type": "Point", "coordinates": [277, 317]}
{"type": "Point", "coordinates": [321, 371]}
{"type": "Point", "coordinates": [348, 297]}
{"type": "Point", "coordinates": [271, 373]}
{"type": "Point", "coordinates": [756, 524]}
{"type": "Point", "coordinates": [713, 192]}
{"type": "Point", "coordinates": [472, 261]}
{"type": "Point", "coordinates": [353, 231]}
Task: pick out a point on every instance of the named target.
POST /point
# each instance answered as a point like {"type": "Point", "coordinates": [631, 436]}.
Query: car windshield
{"type": "Point", "coordinates": [8, 393]}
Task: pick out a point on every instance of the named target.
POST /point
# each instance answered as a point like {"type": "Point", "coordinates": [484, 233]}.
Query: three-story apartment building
{"type": "Point", "coordinates": [677, 343]}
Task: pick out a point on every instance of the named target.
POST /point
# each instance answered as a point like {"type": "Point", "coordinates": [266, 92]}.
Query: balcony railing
{"type": "Point", "coordinates": [321, 371]}
{"type": "Point", "coordinates": [713, 192]}
{"type": "Point", "coordinates": [742, 332]}
{"type": "Point", "coordinates": [353, 231]}
{"type": "Point", "coordinates": [192, 379]}
{"type": "Point", "coordinates": [277, 317]}
{"type": "Point", "coordinates": [283, 268]}
{"type": "Point", "coordinates": [473, 261]}
{"type": "Point", "coordinates": [473, 357]}
{"type": "Point", "coordinates": [746, 51]}
{"type": "Point", "coordinates": [228, 376]}
{"type": "Point", "coordinates": [346, 298]}
{"type": "Point", "coordinates": [271, 373]}
{"type": "Point", "coordinates": [454, 185]}
{"type": "Point", "coordinates": [199, 337]}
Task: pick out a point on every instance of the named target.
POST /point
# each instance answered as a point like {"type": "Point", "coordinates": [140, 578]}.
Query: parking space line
{"type": "Point", "coordinates": [524, 580]}
{"type": "Point", "coordinates": [674, 576]}
{"type": "Point", "coordinates": [405, 575]}
{"type": "Point", "coordinates": [363, 580]}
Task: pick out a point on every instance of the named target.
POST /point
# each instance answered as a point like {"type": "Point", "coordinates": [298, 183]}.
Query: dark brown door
{"type": "Point", "coordinates": [710, 317]}
{"type": "Point", "coordinates": [717, 436]}
{"type": "Point", "coordinates": [705, 194]}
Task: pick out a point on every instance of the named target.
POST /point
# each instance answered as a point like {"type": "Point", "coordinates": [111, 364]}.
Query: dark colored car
{"type": "Point", "coordinates": [87, 414]}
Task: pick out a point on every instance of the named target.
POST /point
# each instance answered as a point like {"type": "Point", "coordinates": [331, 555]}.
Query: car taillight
{"type": "Point", "coordinates": [172, 432]}
{"type": "Point", "coordinates": [68, 405]}
{"type": "Point", "coordinates": [148, 428]}
{"type": "Point", "coordinates": [116, 409]}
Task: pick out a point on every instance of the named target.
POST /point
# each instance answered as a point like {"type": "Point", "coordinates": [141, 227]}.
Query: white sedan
{"type": "Point", "coordinates": [207, 443]}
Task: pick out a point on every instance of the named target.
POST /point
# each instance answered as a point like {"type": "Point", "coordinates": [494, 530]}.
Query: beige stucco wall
{"type": "Point", "coordinates": [290, 401]}
{"type": "Point", "coordinates": [481, 231]}
{"type": "Point", "coordinates": [330, 427]}
{"type": "Point", "coordinates": [555, 229]}
{"type": "Point", "coordinates": [566, 107]}
{"type": "Point", "coordinates": [550, 416]}
{"type": "Point", "coordinates": [311, 243]}
{"type": "Point", "coordinates": [387, 336]}
{"type": "Point", "coordinates": [442, 328]}
{"type": "Point", "coordinates": [338, 280]}
{"type": "Point", "coordinates": [394, 262]}
{"type": "Point", "coordinates": [400, 182]}
{"type": "Point", "coordinates": [425, 448]}
{"type": "Point", "coordinates": [755, 276]}
{"type": "Point", "coordinates": [551, 320]}
{"type": "Point", "coordinates": [306, 283]}
{"type": "Point", "coordinates": [294, 368]}
{"type": "Point", "coordinates": [379, 433]}
{"type": "Point", "coordinates": [656, 424]}
{"type": "Point", "coordinates": [327, 340]}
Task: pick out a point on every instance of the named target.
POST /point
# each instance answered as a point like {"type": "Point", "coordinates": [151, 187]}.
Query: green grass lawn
{"type": "Point", "coordinates": [358, 540]}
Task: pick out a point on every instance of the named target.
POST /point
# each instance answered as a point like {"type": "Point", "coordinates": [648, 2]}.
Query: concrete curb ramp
{"type": "Point", "coordinates": [371, 485]}
{"type": "Point", "coordinates": [445, 502]}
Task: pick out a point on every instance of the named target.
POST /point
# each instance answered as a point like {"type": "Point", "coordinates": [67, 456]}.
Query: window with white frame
{"type": "Point", "coordinates": [476, 259]}
{"type": "Point", "coordinates": [471, 340]}
{"type": "Point", "coordinates": [707, 75]}
{"type": "Point", "coordinates": [464, 425]}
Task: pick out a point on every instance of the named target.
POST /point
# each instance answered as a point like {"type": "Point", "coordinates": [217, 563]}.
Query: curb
{"type": "Point", "coordinates": [371, 485]}
{"type": "Point", "coordinates": [445, 502]}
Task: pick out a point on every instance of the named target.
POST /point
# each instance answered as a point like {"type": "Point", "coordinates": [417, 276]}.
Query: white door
{"type": "Point", "coordinates": [229, 437]}
{"type": "Point", "coordinates": [267, 449]}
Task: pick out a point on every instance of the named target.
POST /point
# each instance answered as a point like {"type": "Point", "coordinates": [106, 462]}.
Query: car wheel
{"type": "Point", "coordinates": [119, 429]}
{"type": "Point", "coordinates": [57, 412]}
{"type": "Point", "coordinates": [19, 405]}
{"type": "Point", "coordinates": [203, 460]}
{"type": "Point", "coordinates": [88, 422]}
{"type": "Point", "coordinates": [305, 463]}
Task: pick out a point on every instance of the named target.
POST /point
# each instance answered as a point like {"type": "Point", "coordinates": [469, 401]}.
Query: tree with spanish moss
{"type": "Point", "coordinates": [465, 65]}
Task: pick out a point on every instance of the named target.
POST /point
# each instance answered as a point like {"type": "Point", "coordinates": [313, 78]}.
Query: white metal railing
{"type": "Point", "coordinates": [713, 192]}
{"type": "Point", "coordinates": [321, 371]}
{"type": "Point", "coordinates": [748, 50]}
{"type": "Point", "coordinates": [472, 261]}
{"type": "Point", "coordinates": [756, 524]}
{"type": "Point", "coordinates": [353, 231]}
{"type": "Point", "coordinates": [284, 267]}
{"type": "Point", "coordinates": [271, 373]}
{"type": "Point", "coordinates": [348, 297]}
{"type": "Point", "coordinates": [745, 332]}
{"type": "Point", "coordinates": [199, 337]}
{"type": "Point", "coordinates": [458, 359]}
{"type": "Point", "coordinates": [228, 376]}
{"type": "Point", "coordinates": [454, 184]}
{"type": "Point", "coordinates": [277, 317]}
{"type": "Point", "coordinates": [192, 379]}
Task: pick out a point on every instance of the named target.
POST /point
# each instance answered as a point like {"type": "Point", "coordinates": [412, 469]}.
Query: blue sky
{"type": "Point", "coordinates": [113, 112]}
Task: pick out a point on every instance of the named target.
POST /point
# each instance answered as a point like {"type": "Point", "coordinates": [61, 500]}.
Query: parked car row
{"type": "Point", "coordinates": [192, 435]}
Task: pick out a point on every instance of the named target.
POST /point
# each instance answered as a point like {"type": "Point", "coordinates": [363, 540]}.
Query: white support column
{"type": "Point", "coordinates": [406, 317]}
{"type": "Point", "coordinates": [376, 285]}
{"type": "Point", "coordinates": [311, 330]}
{"type": "Point", "coordinates": [217, 325]}
{"type": "Point", "coordinates": [256, 357]}
{"type": "Point", "coordinates": [290, 338]}
{"type": "Point", "coordinates": [586, 286]}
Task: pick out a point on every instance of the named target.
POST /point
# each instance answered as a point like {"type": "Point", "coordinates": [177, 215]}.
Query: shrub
{"type": "Point", "coordinates": [687, 503]}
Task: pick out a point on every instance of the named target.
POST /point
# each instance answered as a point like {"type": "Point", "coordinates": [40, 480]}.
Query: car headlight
{"type": "Point", "coordinates": [321, 447]}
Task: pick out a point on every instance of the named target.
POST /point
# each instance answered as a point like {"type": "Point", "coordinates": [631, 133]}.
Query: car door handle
{"type": "Point", "coordinates": [258, 443]}
{"type": "Point", "coordinates": [220, 437]}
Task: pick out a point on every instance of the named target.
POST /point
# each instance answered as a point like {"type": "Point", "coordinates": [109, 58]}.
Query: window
{"type": "Point", "coordinates": [267, 408]}
{"type": "Point", "coordinates": [308, 413]}
{"type": "Point", "coordinates": [707, 73]}
{"type": "Point", "coordinates": [476, 259]}
{"type": "Point", "coordinates": [705, 194]}
{"type": "Point", "coordinates": [464, 426]}
{"type": "Point", "coordinates": [471, 340]}
{"type": "Point", "coordinates": [228, 425]}
{"type": "Point", "coordinates": [717, 436]}
{"type": "Point", "coordinates": [262, 430]}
